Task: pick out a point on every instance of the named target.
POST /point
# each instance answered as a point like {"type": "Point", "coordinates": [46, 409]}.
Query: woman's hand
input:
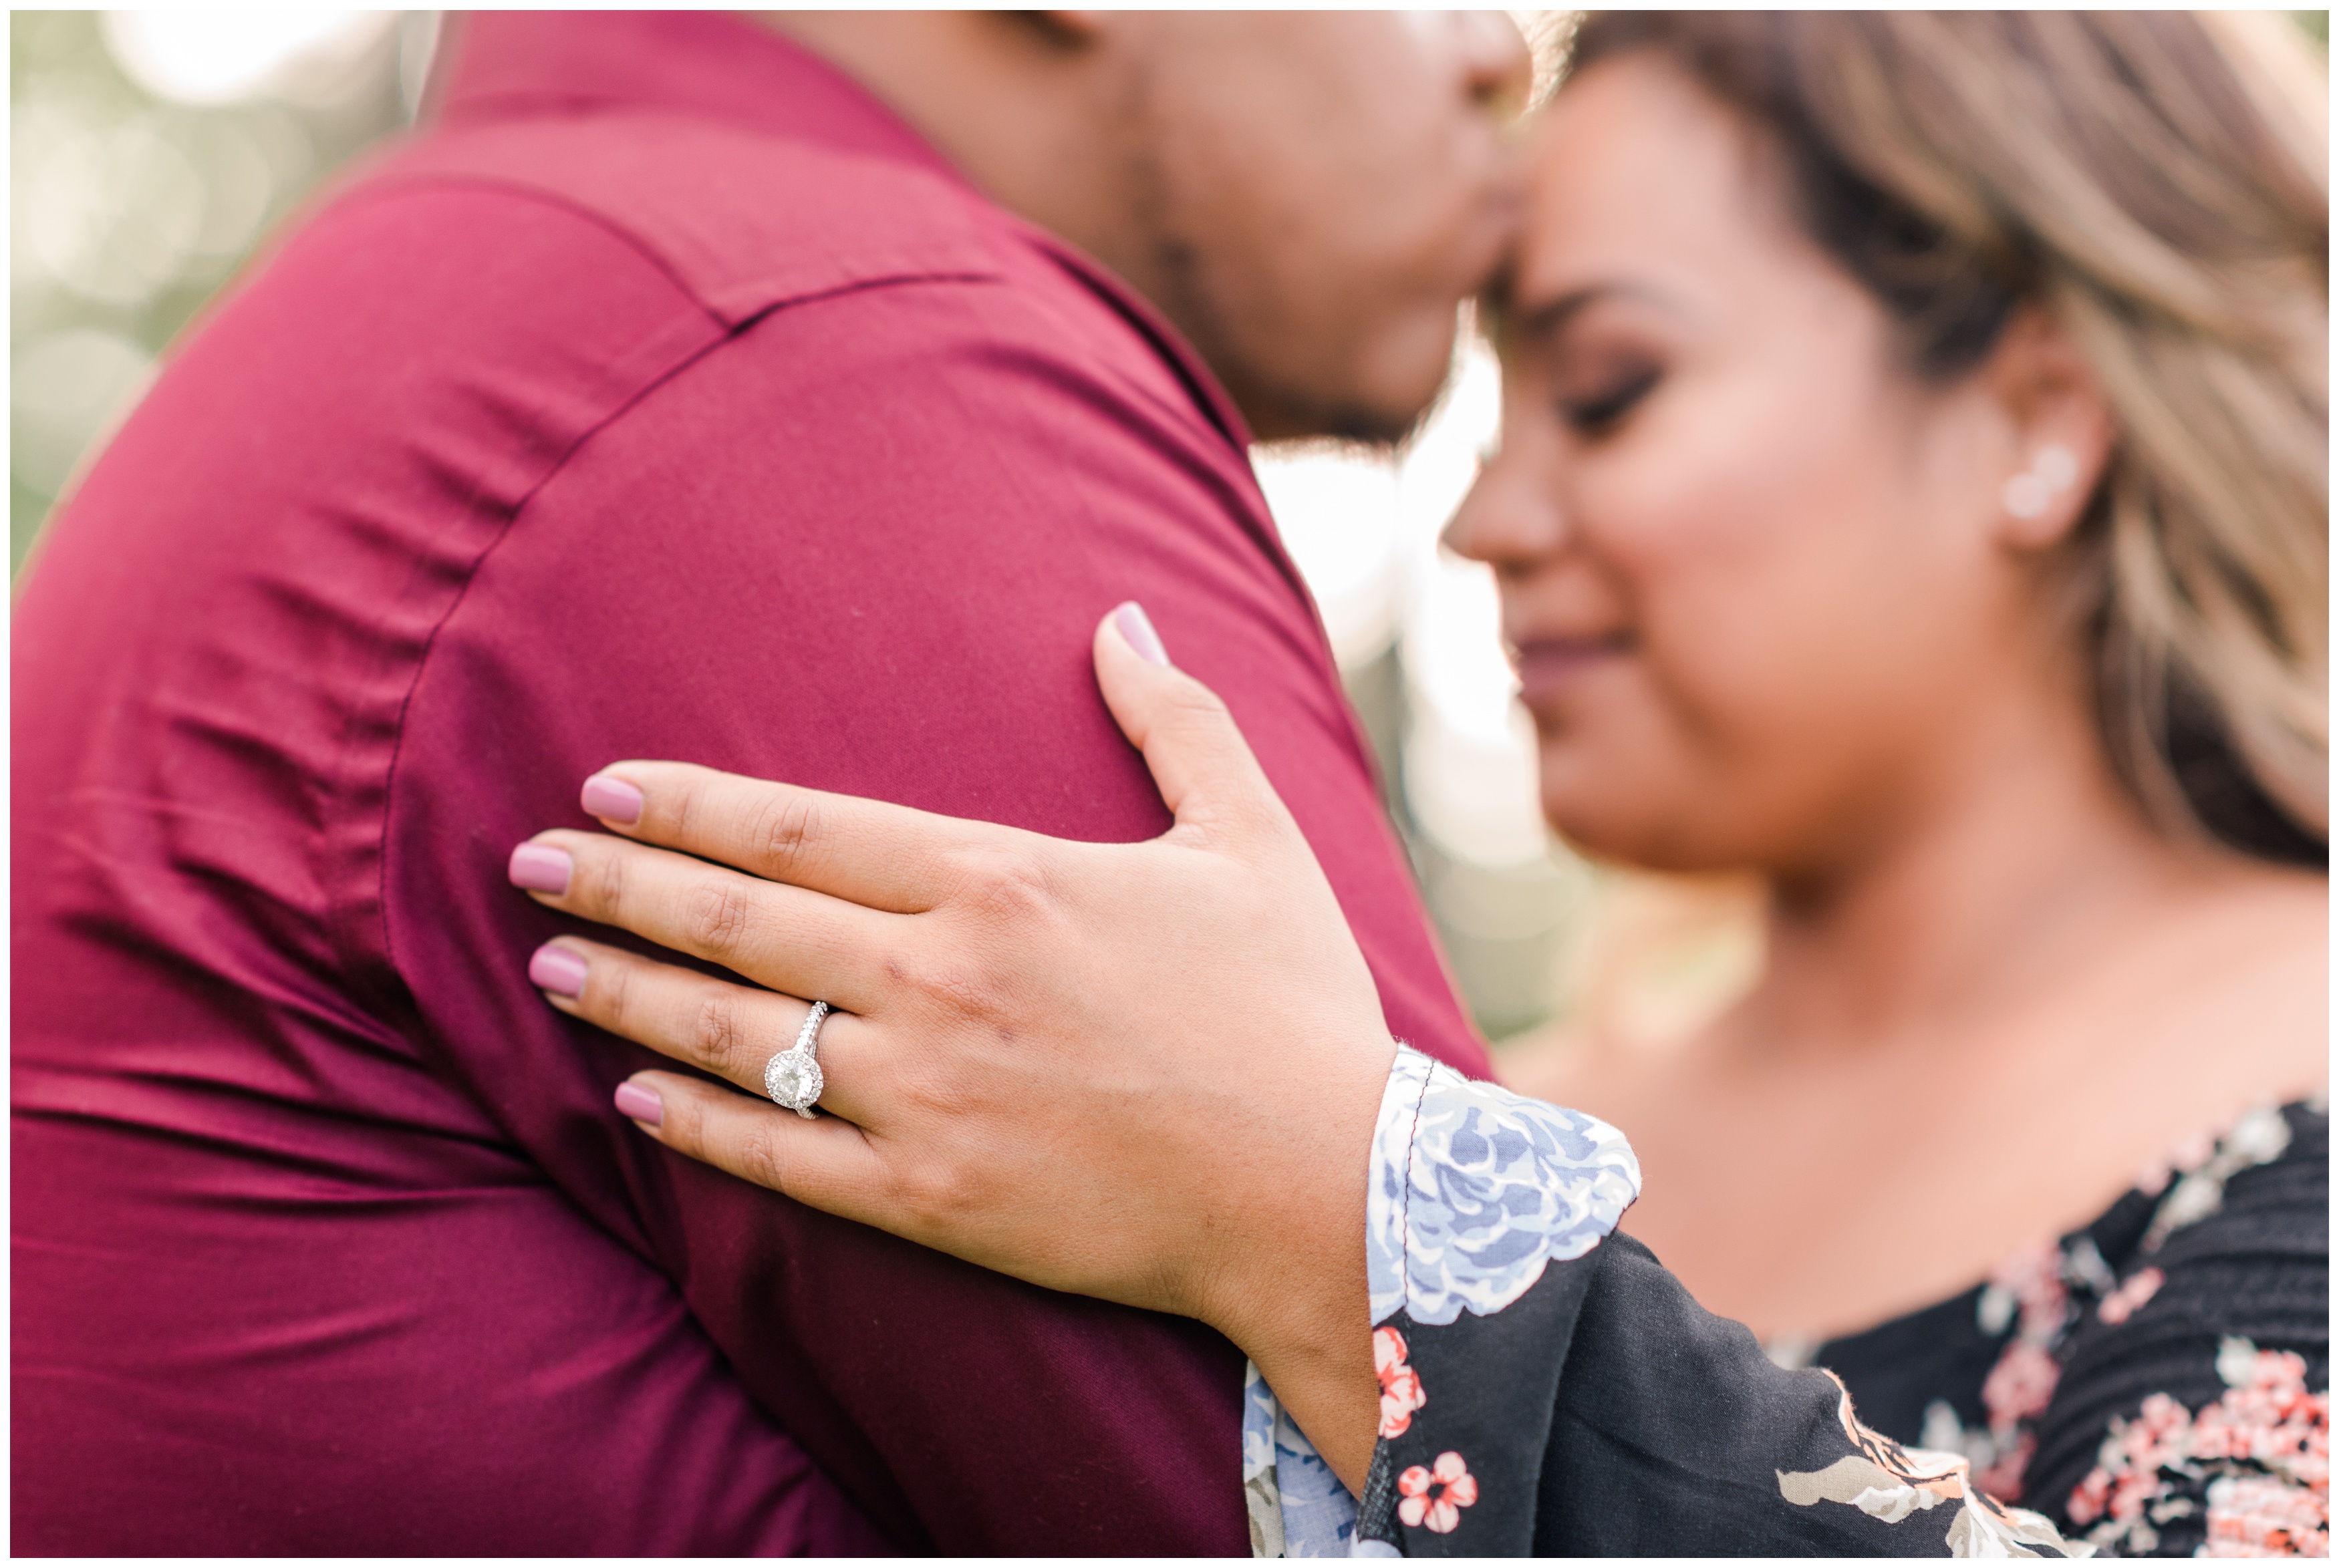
{"type": "Point", "coordinates": [1147, 1072]}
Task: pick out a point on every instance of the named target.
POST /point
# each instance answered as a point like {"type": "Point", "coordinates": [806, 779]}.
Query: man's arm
{"type": "Point", "coordinates": [861, 546]}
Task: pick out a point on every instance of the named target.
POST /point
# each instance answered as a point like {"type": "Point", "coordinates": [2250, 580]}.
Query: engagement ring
{"type": "Point", "coordinates": [792, 1078]}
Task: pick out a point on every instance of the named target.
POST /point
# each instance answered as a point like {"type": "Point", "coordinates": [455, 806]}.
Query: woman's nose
{"type": "Point", "coordinates": [1507, 519]}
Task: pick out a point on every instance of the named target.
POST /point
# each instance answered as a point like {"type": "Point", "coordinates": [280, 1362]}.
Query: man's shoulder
{"type": "Point", "coordinates": [694, 234]}
{"type": "Point", "coordinates": [743, 221]}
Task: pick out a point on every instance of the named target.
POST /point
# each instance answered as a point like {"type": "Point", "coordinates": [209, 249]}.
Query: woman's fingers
{"type": "Point", "coordinates": [888, 857]}
{"type": "Point", "coordinates": [826, 1162]}
{"type": "Point", "coordinates": [730, 1031]}
{"type": "Point", "coordinates": [1200, 762]}
{"type": "Point", "coordinates": [786, 938]}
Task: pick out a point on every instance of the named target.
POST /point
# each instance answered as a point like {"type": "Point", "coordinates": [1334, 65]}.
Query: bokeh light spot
{"type": "Point", "coordinates": [204, 56]}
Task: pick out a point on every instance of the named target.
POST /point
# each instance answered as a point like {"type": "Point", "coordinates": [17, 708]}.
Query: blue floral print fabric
{"type": "Point", "coordinates": [1297, 1506]}
{"type": "Point", "coordinates": [1476, 1189]}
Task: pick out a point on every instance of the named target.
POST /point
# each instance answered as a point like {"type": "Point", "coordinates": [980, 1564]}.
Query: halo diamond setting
{"type": "Point", "coordinates": [792, 1079]}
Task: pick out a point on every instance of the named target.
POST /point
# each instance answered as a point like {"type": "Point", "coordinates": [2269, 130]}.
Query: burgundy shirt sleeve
{"type": "Point", "coordinates": [280, 1284]}
{"type": "Point", "coordinates": [327, 1235]}
{"type": "Point", "coordinates": [861, 548]}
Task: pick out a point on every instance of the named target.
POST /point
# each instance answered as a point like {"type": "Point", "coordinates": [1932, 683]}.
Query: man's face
{"type": "Point", "coordinates": [1320, 191]}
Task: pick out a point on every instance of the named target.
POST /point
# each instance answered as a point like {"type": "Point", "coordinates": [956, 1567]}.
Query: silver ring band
{"type": "Point", "coordinates": [792, 1076]}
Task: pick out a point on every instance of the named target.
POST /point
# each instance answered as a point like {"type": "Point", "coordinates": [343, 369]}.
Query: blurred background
{"type": "Point", "coordinates": [152, 152]}
{"type": "Point", "coordinates": [149, 152]}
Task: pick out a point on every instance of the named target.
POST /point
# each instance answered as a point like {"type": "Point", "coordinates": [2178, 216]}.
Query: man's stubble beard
{"type": "Point", "coordinates": [1187, 288]}
{"type": "Point", "coordinates": [1276, 406]}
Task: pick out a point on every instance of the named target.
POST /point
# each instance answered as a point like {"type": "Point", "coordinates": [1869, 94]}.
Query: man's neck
{"type": "Point", "coordinates": [1058, 157]}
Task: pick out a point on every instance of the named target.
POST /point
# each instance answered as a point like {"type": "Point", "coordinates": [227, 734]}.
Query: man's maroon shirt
{"type": "Point", "coordinates": [669, 399]}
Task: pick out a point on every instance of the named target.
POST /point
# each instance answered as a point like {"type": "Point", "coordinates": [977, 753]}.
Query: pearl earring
{"type": "Point", "coordinates": [2028, 494]}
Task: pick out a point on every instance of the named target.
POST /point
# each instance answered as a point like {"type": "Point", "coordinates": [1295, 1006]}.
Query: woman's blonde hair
{"type": "Point", "coordinates": [2158, 181]}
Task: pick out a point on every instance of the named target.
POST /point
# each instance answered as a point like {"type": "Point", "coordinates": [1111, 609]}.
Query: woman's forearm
{"type": "Point", "coordinates": [1300, 1309]}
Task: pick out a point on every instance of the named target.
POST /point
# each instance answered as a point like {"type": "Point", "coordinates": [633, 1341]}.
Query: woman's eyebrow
{"type": "Point", "coordinates": [1526, 321]}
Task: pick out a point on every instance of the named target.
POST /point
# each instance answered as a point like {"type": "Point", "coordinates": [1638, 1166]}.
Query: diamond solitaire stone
{"type": "Point", "coordinates": [793, 1080]}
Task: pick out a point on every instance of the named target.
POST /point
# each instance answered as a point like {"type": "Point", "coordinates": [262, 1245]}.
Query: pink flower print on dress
{"type": "Point", "coordinates": [2031, 1280]}
{"type": "Point", "coordinates": [2263, 1516]}
{"type": "Point", "coordinates": [2003, 1479]}
{"type": "Point", "coordinates": [2020, 1385]}
{"type": "Point", "coordinates": [2264, 1449]}
{"type": "Point", "coordinates": [2027, 1294]}
{"type": "Point", "coordinates": [2091, 1498]}
{"type": "Point", "coordinates": [2156, 1175]}
{"type": "Point", "coordinates": [1401, 1393]}
{"type": "Point", "coordinates": [1436, 1495]}
{"type": "Point", "coordinates": [2122, 1303]}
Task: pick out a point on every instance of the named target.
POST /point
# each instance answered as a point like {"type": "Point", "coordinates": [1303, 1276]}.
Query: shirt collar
{"type": "Point", "coordinates": [502, 64]}
{"type": "Point", "coordinates": [515, 65]}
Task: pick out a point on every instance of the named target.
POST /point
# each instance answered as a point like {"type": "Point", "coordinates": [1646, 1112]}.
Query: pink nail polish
{"type": "Point", "coordinates": [640, 1104]}
{"type": "Point", "coordinates": [557, 970]}
{"type": "Point", "coordinates": [612, 799]}
{"type": "Point", "coordinates": [1137, 631]}
{"type": "Point", "coordinates": [540, 868]}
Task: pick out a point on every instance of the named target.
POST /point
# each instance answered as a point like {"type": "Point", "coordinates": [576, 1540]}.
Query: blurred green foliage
{"type": "Point", "coordinates": [129, 210]}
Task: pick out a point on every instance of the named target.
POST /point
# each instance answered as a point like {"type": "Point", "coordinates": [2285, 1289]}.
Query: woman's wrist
{"type": "Point", "coordinates": [1290, 1286]}
{"type": "Point", "coordinates": [1322, 1375]}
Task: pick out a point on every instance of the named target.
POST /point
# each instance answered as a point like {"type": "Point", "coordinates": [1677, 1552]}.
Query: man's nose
{"type": "Point", "coordinates": [1498, 66]}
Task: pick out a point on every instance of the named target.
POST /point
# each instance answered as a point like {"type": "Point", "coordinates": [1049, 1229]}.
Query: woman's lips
{"type": "Point", "coordinates": [1548, 666]}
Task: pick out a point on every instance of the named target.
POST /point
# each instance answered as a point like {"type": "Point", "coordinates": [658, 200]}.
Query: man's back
{"type": "Point", "coordinates": [609, 421]}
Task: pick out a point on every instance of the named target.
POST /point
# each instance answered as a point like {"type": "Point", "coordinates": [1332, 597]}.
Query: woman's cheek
{"type": "Point", "coordinates": [1672, 759]}
{"type": "Point", "coordinates": [1622, 773]}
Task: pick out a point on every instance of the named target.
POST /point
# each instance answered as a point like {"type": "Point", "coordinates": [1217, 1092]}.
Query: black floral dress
{"type": "Point", "coordinates": [2156, 1382]}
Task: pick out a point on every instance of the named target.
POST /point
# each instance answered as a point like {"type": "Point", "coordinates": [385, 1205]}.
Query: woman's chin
{"type": "Point", "coordinates": [1606, 819]}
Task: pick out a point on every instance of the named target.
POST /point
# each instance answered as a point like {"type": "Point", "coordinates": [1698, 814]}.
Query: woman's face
{"type": "Point", "coordinates": [1748, 564]}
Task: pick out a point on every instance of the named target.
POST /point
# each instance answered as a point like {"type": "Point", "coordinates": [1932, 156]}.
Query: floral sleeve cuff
{"type": "Point", "coordinates": [1475, 1189]}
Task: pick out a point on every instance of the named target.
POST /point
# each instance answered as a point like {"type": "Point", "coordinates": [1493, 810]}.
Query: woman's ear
{"type": "Point", "coordinates": [2061, 431]}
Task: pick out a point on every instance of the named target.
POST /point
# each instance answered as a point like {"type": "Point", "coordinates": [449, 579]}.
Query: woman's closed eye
{"type": "Point", "coordinates": [1601, 408]}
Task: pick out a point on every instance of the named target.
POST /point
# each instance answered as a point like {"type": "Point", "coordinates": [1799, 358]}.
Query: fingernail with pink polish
{"type": "Point", "coordinates": [540, 868]}
{"type": "Point", "coordinates": [640, 1104]}
{"type": "Point", "coordinates": [612, 799]}
{"type": "Point", "coordinates": [1138, 632]}
{"type": "Point", "coordinates": [557, 970]}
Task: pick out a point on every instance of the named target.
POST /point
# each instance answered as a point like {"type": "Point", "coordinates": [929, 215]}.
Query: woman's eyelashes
{"type": "Point", "coordinates": [1602, 407]}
